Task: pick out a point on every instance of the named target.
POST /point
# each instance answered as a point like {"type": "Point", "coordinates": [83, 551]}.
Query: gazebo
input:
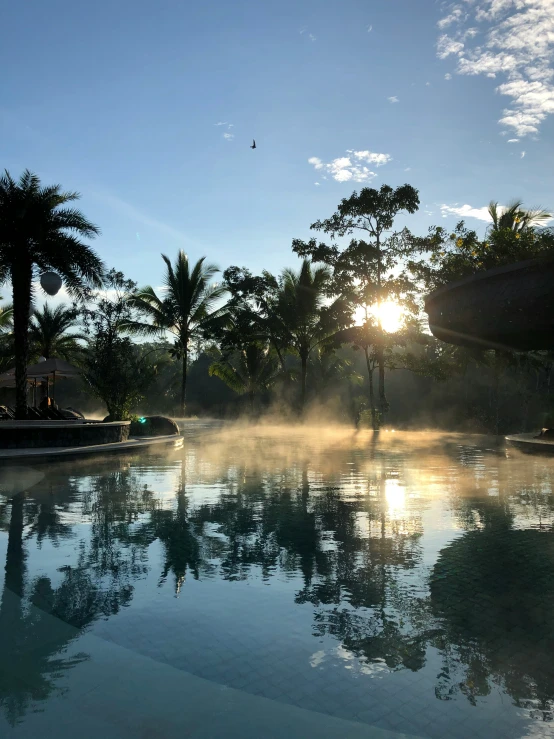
{"type": "Point", "coordinates": [41, 372]}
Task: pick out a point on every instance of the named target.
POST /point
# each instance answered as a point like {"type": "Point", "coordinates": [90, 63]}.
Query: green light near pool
{"type": "Point", "coordinates": [142, 419]}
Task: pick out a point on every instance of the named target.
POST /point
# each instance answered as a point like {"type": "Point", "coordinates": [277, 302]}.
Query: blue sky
{"type": "Point", "coordinates": [121, 102]}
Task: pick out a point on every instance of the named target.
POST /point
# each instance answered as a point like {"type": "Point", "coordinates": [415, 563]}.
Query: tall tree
{"type": "Point", "coordinates": [37, 233]}
{"type": "Point", "coordinates": [187, 310]}
{"type": "Point", "coordinates": [366, 264]}
{"type": "Point", "coordinates": [365, 337]}
{"type": "Point", "coordinates": [307, 320]}
{"type": "Point", "coordinates": [253, 312]}
{"type": "Point", "coordinates": [50, 335]}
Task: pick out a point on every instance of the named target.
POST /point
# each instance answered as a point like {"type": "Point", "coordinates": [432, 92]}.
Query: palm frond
{"type": "Point", "coordinates": [225, 372]}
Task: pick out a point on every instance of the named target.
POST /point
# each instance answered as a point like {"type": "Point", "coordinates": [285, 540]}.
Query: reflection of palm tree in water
{"type": "Point", "coordinates": [175, 530]}
{"type": "Point", "coordinates": [25, 629]}
{"type": "Point", "coordinates": [37, 621]}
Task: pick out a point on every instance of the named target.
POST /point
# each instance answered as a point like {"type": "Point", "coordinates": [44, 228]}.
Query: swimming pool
{"type": "Point", "coordinates": [280, 581]}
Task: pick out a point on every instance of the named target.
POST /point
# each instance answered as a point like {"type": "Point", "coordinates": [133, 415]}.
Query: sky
{"type": "Point", "coordinates": [149, 109]}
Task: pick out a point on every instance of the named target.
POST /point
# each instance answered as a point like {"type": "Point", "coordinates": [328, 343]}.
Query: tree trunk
{"type": "Point", "coordinates": [251, 401]}
{"type": "Point", "coordinates": [374, 425]}
{"type": "Point", "coordinates": [383, 405]}
{"type": "Point", "coordinates": [496, 390]}
{"type": "Point", "coordinates": [184, 381]}
{"type": "Point", "coordinates": [15, 555]}
{"type": "Point", "coordinates": [22, 275]}
{"type": "Point", "coordinates": [14, 583]}
{"type": "Point", "coordinates": [304, 361]}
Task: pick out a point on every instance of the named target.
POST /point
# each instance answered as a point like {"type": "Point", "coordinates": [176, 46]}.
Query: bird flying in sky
{"type": "Point", "coordinates": [253, 144]}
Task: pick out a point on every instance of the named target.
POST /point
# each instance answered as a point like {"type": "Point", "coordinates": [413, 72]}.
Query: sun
{"type": "Point", "coordinates": [390, 313]}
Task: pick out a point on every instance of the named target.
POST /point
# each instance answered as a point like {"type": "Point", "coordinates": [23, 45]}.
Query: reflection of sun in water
{"type": "Point", "coordinates": [395, 495]}
{"type": "Point", "coordinates": [391, 314]}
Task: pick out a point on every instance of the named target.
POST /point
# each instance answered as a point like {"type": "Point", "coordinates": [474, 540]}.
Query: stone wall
{"type": "Point", "coordinates": [44, 434]}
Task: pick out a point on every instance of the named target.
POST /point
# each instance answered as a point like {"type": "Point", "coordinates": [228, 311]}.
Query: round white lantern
{"type": "Point", "coordinates": [50, 282]}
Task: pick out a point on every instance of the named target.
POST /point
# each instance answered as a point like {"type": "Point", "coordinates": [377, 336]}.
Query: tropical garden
{"type": "Point", "coordinates": [342, 333]}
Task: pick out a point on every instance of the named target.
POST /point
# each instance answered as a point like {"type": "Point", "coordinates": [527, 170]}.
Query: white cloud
{"type": "Point", "coordinates": [453, 17]}
{"type": "Point", "coordinates": [228, 136]}
{"type": "Point", "coordinates": [221, 123]}
{"type": "Point", "coordinates": [427, 84]}
{"type": "Point", "coordinates": [392, 99]}
{"type": "Point", "coordinates": [353, 167]}
{"type": "Point", "coordinates": [516, 44]}
{"type": "Point", "coordinates": [371, 157]}
{"type": "Point", "coordinates": [311, 37]}
{"type": "Point", "coordinates": [369, 29]}
{"type": "Point", "coordinates": [513, 141]}
{"type": "Point", "coordinates": [316, 161]}
{"type": "Point", "coordinates": [447, 46]}
{"type": "Point", "coordinates": [316, 184]}
{"type": "Point", "coordinates": [448, 76]}
{"type": "Point", "coordinates": [523, 155]}
{"type": "Point", "coordinates": [408, 169]}
{"type": "Point", "coordinates": [466, 211]}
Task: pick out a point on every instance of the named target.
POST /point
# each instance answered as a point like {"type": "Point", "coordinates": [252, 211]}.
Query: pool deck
{"type": "Point", "coordinates": [132, 444]}
{"type": "Point", "coordinates": [530, 442]}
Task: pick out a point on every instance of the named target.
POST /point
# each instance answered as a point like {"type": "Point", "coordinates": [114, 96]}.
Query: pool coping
{"type": "Point", "coordinates": [530, 440]}
{"type": "Point", "coordinates": [119, 446]}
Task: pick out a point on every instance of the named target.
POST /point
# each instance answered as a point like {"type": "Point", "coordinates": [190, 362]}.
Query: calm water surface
{"type": "Point", "coordinates": [405, 582]}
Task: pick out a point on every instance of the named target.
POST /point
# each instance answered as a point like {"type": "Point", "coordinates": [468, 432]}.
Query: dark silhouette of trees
{"type": "Point", "coordinates": [363, 269]}
{"type": "Point", "coordinates": [38, 232]}
{"type": "Point", "coordinates": [114, 368]}
{"type": "Point", "coordinates": [51, 333]}
{"type": "Point", "coordinates": [188, 309]}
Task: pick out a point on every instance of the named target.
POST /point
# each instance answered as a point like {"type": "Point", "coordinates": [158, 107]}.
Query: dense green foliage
{"type": "Point", "coordinates": [305, 339]}
{"type": "Point", "coordinates": [113, 367]}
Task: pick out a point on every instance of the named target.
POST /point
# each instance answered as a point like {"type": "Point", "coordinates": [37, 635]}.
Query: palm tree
{"type": "Point", "coordinates": [6, 338]}
{"type": "Point", "coordinates": [6, 320]}
{"type": "Point", "coordinates": [251, 370]}
{"type": "Point", "coordinates": [301, 310]}
{"type": "Point", "coordinates": [328, 370]}
{"type": "Point", "coordinates": [48, 333]}
{"type": "Point", "coordinates": [515, 217]}
{"type": "Point", "coordinates": [38, 233]}
{"type": "Point", "coordinates": [186, 311]}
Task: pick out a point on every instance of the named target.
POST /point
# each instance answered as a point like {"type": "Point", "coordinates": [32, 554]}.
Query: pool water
{"type": "Point", "coordinates": [403, 582]}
